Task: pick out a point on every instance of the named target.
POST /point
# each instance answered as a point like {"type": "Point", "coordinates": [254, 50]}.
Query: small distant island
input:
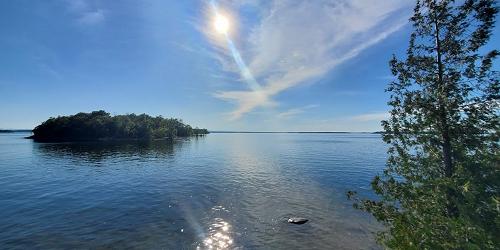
{"type": "Point", "coordinates": [100, 125]}
{"type": "Point", "coordinates": [14, 130]}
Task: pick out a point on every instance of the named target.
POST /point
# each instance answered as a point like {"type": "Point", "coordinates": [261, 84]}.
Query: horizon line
{"type": "Point", "coordinates": [247, 132]}
{"type": "Point", "coordinates": [288, 132]}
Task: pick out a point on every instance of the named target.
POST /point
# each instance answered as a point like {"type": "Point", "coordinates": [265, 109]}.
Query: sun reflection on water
{"type": "Point", "coordinates": [219, 235]}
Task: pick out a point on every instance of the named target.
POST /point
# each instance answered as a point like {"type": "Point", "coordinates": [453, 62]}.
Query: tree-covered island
{"type": "Point", "coordinates": [100, 125]}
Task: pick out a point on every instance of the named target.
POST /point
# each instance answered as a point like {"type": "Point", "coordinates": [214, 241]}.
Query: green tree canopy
{"type": "Point", "coordinates": [99, 125]}
{"type": "Point", "coordinates": [440, 189]}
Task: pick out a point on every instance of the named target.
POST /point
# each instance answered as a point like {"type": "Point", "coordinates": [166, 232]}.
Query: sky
{"type": "Point", "coordinates": [281, 65]}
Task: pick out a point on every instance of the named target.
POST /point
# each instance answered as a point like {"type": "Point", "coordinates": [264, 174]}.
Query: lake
{"type": "Point", "coordinates": [223, 190]}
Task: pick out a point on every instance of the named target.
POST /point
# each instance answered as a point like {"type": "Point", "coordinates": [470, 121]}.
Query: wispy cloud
{"type": "Point", "coordinates": [379, 116]}
{"type": "Point", "coordinates": [294, 112]}
{"type": "Point", "coordinates": [48, 69]}
{"type": "Point", "coordinates": [297, 42]}
{"type": "Point", "coordinates": [77, 5]}
{"type": "Point", "coordinates": [85, 12]}
{"type": "Point", "coordinates": [92, 17]}
{"type": "Point", "coordinates": [358, 123]}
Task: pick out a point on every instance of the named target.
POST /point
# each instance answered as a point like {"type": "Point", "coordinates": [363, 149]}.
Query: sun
{"type": "Point", "coordinates": [221, 24]}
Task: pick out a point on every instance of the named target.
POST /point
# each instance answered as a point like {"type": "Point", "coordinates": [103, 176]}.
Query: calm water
{"type": "Point", "coordinates": [222, 190]}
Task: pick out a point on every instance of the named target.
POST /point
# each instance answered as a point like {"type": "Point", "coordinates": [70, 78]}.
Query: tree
{"type": "Point", "coordinates": [440, 189]}
{"type": "Point", "coordinates": [100, 125]}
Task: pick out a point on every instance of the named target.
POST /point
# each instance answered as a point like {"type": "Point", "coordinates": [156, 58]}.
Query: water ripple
{"type": "Point", "coordinates": [223, 191]}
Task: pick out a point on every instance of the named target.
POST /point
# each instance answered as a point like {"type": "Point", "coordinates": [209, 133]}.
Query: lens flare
{"type": "Point", "coordinates": [222, 26]}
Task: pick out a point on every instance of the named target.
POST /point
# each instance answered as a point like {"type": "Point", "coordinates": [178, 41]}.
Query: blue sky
{"type": "Point", "coordinates": [307, 65]}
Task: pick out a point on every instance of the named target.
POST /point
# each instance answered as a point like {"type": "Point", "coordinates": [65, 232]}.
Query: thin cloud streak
{"type": "Point", "coordinates": [370, 117]}
{"type": "Point", "coordinates": [92, 17]}
{"type": "Point", "coordinates": [85, 13]}
{"type": "Point", "coordinates": [295, 111]}
{"type": "Point", "coordinates": [367, 122]}
{"type": "Point", "coordinates": [297, 43]}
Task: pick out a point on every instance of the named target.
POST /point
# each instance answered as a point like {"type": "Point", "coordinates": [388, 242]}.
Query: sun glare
{"type": "Point", "coordinates": [221, 24]}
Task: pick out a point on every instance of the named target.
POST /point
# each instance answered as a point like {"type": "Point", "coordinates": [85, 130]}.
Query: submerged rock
{"type": "Point", "coordinates": [297, 220]}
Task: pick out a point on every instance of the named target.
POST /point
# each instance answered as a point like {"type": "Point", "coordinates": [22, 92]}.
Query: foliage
{"type": "Point", "coordinates": [440, 189]}
{"type": "Point", "coordinates": [99, 125]}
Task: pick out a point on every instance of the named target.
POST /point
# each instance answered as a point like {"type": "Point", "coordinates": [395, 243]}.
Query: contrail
{"type": "Point", "coordinates": [245, 72]}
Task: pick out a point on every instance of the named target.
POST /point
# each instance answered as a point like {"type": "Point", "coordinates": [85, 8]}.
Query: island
{"type": "Point", "coordinates": [100, 125]}
{"type": "Point", "coordinates": [14, 130]}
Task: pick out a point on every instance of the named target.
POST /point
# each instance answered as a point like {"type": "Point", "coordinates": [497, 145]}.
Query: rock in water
{"type": "Point", "coordinates": [297, 220]}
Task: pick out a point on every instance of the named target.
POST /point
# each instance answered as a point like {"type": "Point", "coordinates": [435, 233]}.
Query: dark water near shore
{"type": "Point", "coordinates": [222, 190]}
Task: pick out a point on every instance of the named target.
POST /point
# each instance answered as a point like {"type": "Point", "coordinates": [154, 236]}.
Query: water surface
{"type": "Point", "coordinates": [222, 191]}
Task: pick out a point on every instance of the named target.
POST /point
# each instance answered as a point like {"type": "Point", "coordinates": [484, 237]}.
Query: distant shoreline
{"type": "Point", "coordinates": [15, 130]}
{"type": "Point", "coordinates": [290, 132]}
{"type": "Point", "coordinates": [238, 132]}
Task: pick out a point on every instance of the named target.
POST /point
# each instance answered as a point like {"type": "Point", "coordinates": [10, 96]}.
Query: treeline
{"type": "Point", "coordinates": [100, 125]}
{"type": "Point", "coordinates": [14, 130]}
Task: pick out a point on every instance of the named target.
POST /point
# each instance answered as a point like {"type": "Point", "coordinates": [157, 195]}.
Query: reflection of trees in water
{"type": "Point", "coordinates": [100, 151]}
